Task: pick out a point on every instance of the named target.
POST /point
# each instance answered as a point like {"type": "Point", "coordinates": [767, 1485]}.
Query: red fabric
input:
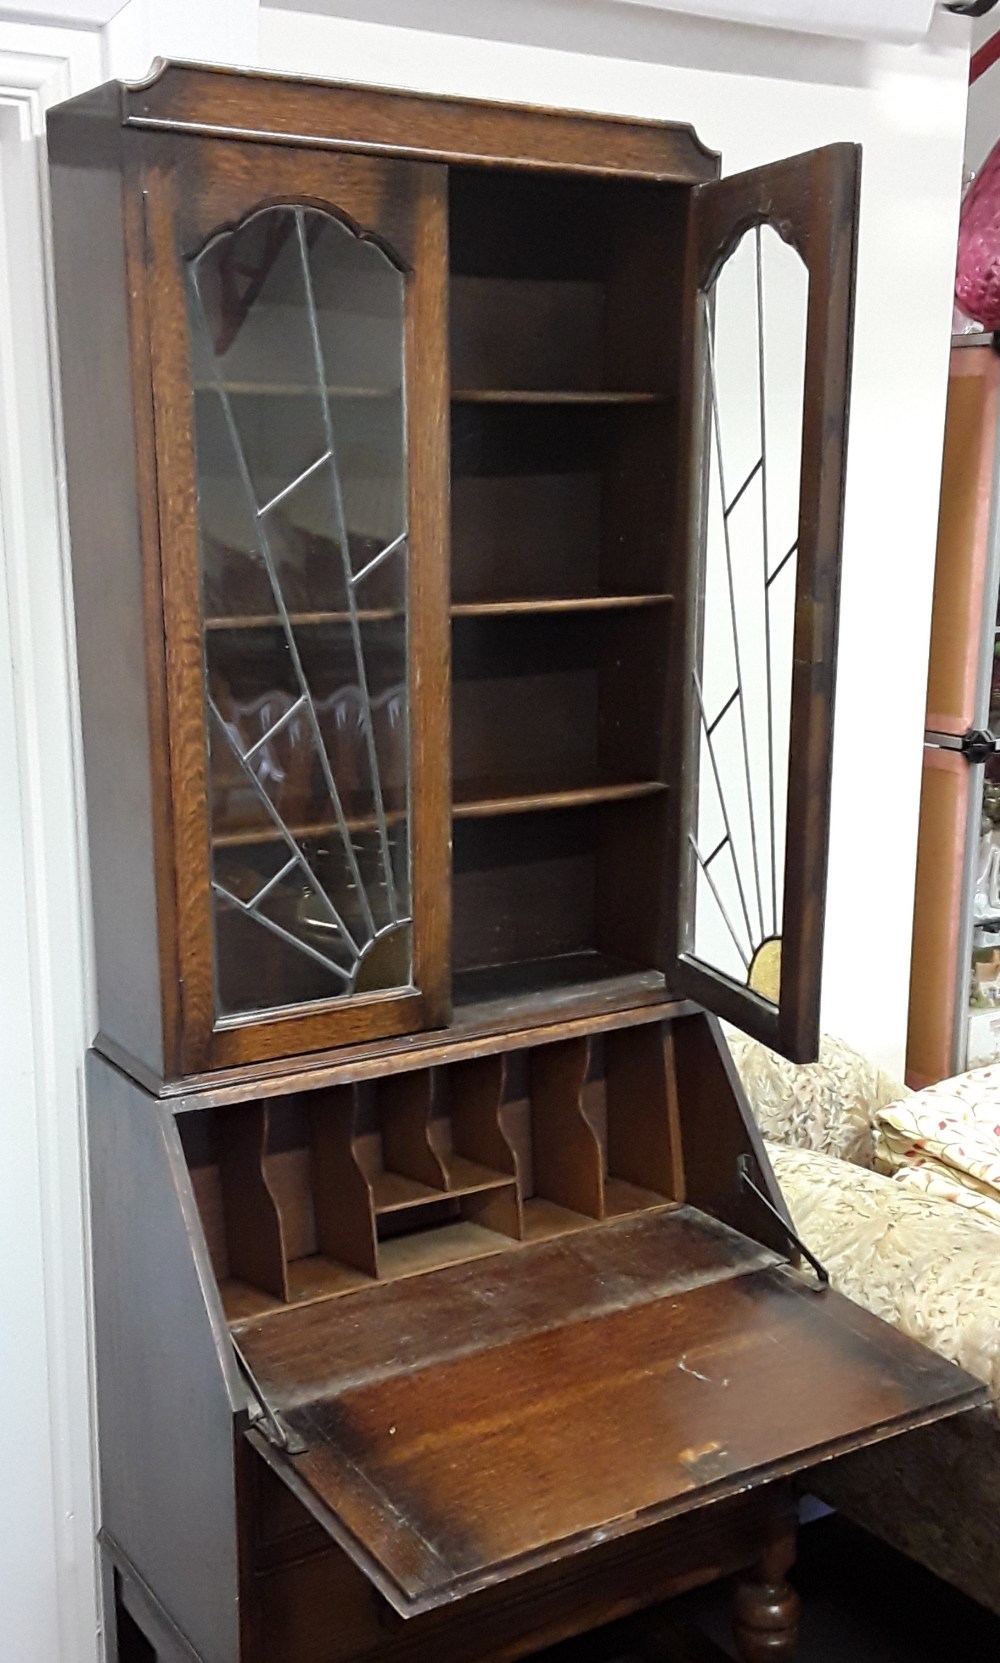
{"type": "Point", "coordinates": [984, 58]}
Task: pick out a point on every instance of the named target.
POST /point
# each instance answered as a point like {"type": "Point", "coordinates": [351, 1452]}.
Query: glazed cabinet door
{"type": "Point", "coordinates": [769, 307]}
{"type": "Point", "coordinates": [299, 374]}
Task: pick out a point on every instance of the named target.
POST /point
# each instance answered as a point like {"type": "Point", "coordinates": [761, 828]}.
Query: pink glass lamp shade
{"type": "Point", "coordinates": [977, 278]}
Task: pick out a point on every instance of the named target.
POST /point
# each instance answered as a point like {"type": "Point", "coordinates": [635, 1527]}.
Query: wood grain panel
{"type": "Point", "coordinates": [937, 975]}
{"type": "Point", "coordinates": [163, 1363]}
{"type": "Point", "coordinates": [566, 1153]}
{"type": "Point", "coordinates": [961, 589]}
{"type": "Point", "coordinates": [717, 1128]}
{"type": "Point", "coordinates": [299, 111]}
{"type": "Point", "coordinates": [104, 365]}
{"type": "Point", "coordinates": [257, 1251]}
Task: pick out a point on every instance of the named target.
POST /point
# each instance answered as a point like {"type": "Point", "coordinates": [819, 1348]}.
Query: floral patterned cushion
{"type": "Point", "coordinates": [945, 1141]}
{"type": "Point", "coordinates": [930, 1268]}
{"type": "Point", "coordinates": [826, 1105]}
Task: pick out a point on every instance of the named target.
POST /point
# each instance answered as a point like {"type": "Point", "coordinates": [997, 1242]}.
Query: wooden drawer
{"type": "Point", "coordinates": [282, 1528]}
{"type": "Point", "coordinates": [318, 1607]}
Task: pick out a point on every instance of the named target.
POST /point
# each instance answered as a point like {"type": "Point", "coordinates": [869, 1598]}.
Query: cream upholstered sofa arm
{"type": "Point", "coordinates": [828, 1105]}
{"type": "Point", "coordinates": [930, 1268]}
{"type": "Point", "coordinates": [927, 1266]}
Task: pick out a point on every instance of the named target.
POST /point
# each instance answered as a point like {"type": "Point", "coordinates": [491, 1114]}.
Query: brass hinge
{"type": "Point", "coordinates": [747, 1182]}
{"type": "Point", "coordinates": [264, 1417]}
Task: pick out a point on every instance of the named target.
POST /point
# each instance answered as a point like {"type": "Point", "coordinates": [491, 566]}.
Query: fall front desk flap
{"type": "Point", "coordinates": [459, 1428]}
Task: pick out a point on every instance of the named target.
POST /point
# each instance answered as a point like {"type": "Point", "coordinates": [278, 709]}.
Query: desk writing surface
{"type": "Point", "coordinates": [473, 1423]}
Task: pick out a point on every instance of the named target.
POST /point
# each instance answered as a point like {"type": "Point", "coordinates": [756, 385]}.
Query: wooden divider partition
{"type": "Point", "coordinates": [316, 1195]}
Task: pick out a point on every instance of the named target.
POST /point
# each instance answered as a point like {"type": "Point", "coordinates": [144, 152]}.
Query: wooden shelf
{"type": "Point", "coordinates": [271, 620]}
{"type": "Point", "coordinates": [475, 800]}
{"type": "Point", "coordinates": [391, 1192]}
{"type": "Point", "coordinates": [242, 837]}
{"type": "Point", "coordinates": [545, 1219]}
{"type": "Point", "coordinates": [514, 395]}
{"type": "Point", "coordinates": [469, 1178]}
{"type": "Point", "coordinates": [520, 607]}
{"type": "Point", "coordinates": [243, 1303]}
{"type": "Point", "coordinates": [318, 1277]}
{"type": "Point", "coordinates": [315, 1277]}
{"type": "Point", "coordinates": [450, 1244]}
{"type": "Point", "coordinates": [621, 1198]}
{"type": "Point", "coordinates": [394, 1193]}
{"type": "Point", "coordinates": [555, 604]}
{"type": "Point", "coordinates": [293, 389]}
{"type": "Point", "coordinates": [479, 799]}
{"type": "Point", "coordinates": [563, 977]}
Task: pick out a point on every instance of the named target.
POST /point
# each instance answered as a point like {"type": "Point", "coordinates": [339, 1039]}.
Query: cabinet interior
{"type": "Point", "coordinates": [564, 296]}
{"type": "Point", "coordinates": [315, 1195]}
{"type": "Point", "coordinates": [563, 300]}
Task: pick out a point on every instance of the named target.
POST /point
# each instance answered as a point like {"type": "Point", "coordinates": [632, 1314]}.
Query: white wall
{"type": "Point", "coordinates": [47, 1591]}
{"type": "Point", "coordinates": [754, 96]}
{"type": "Point", "coordinates": [983, 124]}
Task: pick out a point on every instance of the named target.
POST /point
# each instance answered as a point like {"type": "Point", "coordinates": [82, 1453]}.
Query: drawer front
{"type": "Point", "coordinates": [313, 1605]}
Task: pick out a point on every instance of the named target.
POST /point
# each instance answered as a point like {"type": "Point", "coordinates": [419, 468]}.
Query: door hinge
{"type": "Point", "coordinates": [264, 1417]}
{"type": "Point", "coordinates": [970, 8]}
{"type": "Point", "coordinates": [978, 745]}
{"type": "Point", "coordinates": [747, 1182]}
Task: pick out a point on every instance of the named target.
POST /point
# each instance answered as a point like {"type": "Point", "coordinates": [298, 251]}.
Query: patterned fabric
{"type": "Point", "coordinates": [928, 1267]}
{"type": "Point", "coordinates": [945, 1141]}
{"type": "Point", "coordinates": [895, 1244]}
{"type": "Point", "coordinates": [826, 1105]}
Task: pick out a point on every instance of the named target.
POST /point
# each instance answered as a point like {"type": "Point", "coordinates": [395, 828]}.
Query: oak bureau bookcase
{"type": "Point", "coordinates": [455, 495]}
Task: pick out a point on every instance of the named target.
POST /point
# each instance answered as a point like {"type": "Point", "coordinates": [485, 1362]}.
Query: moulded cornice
{"type": "Point", "coordinates": [77, 14]}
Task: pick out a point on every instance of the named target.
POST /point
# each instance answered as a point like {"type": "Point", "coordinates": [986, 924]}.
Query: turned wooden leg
{"type": "Point", "coordinates": [765, 1605]}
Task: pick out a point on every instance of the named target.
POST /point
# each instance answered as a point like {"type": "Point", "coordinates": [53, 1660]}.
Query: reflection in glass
{"type": "Point", "coordinates": [754, 321]}
{"type": "Point", "coordinates": [297, 351]}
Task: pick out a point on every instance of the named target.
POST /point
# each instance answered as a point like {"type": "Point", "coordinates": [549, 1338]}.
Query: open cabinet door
{"type": "Point", "coordinates": [769, 297]}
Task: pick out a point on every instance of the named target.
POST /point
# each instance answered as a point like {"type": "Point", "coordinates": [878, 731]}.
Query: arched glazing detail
{"type": "Point", "coordinates": [754, 319]}
{"type": "Point", "coordinates": [297, 329]}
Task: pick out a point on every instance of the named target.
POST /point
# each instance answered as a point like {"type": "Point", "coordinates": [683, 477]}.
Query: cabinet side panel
{"type": "Point", "coordinates": [100, 439]}
{"type": "Point", "coordinates": [717, 1128]}
{"type": "Point", "coordinates": [165, 1416]}
{"type": "Point", "coordinates": [964, 584]}
{"type": "Point", "coordinates": [950, 802]}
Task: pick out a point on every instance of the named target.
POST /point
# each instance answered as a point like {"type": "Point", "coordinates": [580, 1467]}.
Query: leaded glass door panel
{"type": "Point", "coordinates": [772, 271]}
{"type": "Point", "coordinates": [299, 294]}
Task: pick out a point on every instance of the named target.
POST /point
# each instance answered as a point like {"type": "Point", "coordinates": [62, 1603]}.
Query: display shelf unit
{"type": "Point", "coordinates": [946, 1034]}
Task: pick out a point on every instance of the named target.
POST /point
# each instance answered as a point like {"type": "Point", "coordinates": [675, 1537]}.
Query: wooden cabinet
{"type": "Point", "coordinates": [393, 545]}
{"type": "Point", "coordinates": [455, 496]}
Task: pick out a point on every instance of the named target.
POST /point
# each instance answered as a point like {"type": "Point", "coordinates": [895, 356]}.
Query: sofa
{"type": "Point", "coordinates": [918, 1252]}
